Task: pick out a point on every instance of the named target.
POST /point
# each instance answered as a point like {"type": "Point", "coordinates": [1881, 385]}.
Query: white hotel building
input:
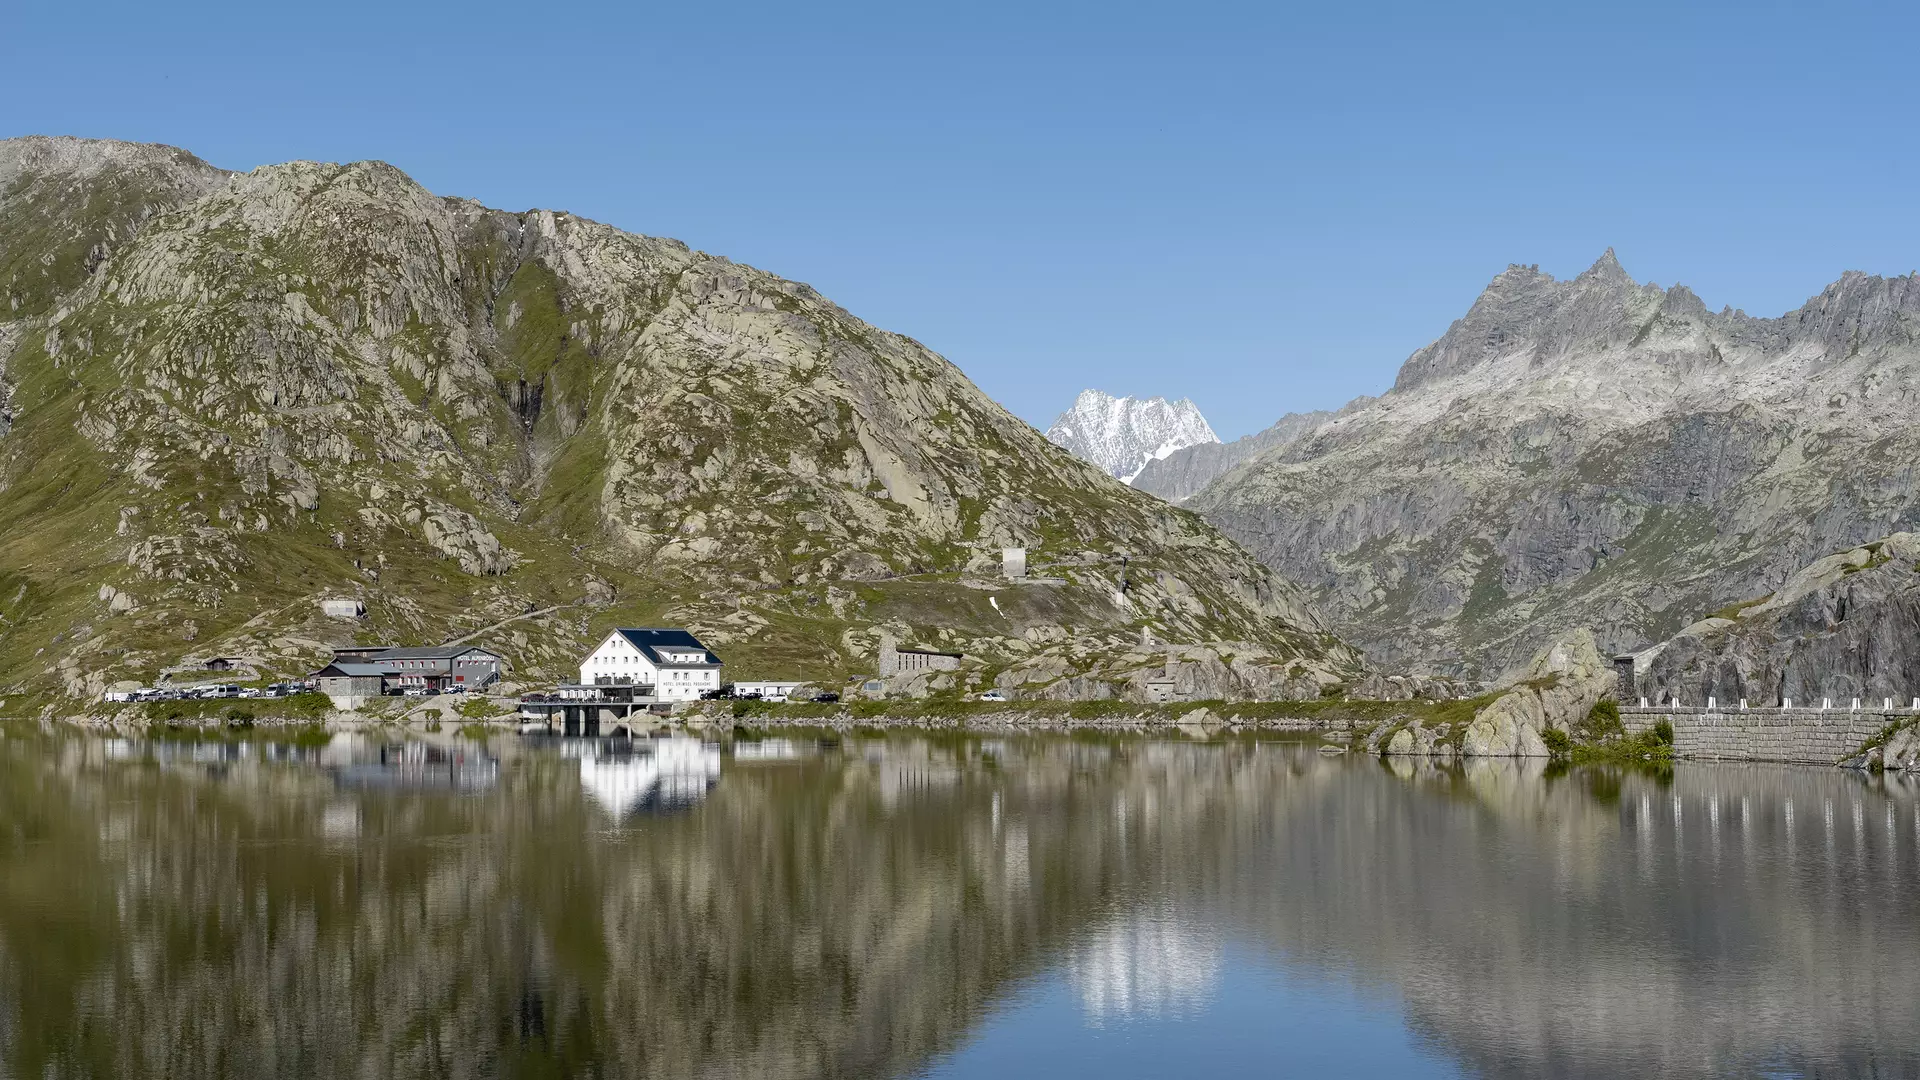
{"type": "Point", "coordinates": [673, 662]}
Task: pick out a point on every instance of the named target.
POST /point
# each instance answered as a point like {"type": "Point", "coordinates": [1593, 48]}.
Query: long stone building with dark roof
{"type": "Point", "coordinates": [436, 667]}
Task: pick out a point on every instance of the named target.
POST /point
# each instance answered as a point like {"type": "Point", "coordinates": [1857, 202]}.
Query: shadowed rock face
{"type": "Point", "coordinates": [857, 912]}
{"type": "Point", "coordinates": [227, 396]}
{"type": "Point", "coordinates": [1593, 452]}
{"type": "Point", "coordinates": [1845, 626]}
{"type": "Point", "coordinates": [1185, 472]}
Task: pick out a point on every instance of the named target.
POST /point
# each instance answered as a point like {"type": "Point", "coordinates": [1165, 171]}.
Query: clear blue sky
{"type": "Point", "coordinates": [1263, 208]}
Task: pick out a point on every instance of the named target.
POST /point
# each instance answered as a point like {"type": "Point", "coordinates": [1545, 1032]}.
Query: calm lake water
{"type": "Point", "coordinates": [952, 907]}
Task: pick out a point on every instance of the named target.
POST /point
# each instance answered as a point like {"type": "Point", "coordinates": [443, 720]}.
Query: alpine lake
{"type": "Point", "coordinates": [810, 903]}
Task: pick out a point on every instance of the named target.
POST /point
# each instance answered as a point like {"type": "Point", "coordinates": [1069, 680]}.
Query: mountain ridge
{"type": "Point", "coordinates": [311, 379]}
{"type": "Point", "coordinates": [1591, 450]}
{"type": "Point", "coordinates": [1124, 435]}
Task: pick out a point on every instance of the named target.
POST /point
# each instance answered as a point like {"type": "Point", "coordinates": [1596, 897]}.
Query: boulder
{"type": "Point", "coordinates": [1559, 687]}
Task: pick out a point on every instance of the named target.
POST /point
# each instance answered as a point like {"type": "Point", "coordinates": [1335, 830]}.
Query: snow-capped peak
{"type": "Point", "coordinates": [1122, 434]}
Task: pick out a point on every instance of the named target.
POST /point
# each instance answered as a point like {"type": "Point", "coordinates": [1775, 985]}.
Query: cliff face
{"type": "Point", "coordinates": [1186, 472]}
{"type": "Point", "coordinates": [1593, 452]}
{"type": "Point", "coordinates": [249, 392]}
{"type": "Point", "coordinates": [1845, 626]}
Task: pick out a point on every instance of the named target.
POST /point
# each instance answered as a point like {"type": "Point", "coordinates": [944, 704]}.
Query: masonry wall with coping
{"type": "Point", "coordinates": [1813, 736]}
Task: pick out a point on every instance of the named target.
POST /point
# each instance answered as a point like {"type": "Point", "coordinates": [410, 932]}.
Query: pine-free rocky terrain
{"type": "Point", "coordinates": [225, 397]}
{"type": "Point", "coordinates": [1591, 453]}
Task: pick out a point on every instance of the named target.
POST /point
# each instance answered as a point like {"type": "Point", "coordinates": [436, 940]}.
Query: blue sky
{"type": "Point", "coordinates": [1262, 207]}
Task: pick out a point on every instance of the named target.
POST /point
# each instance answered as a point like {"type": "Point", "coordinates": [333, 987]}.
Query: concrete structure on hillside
{"type": "Point", "coordinates": [673, 662]}
{"type": "Point", "coordinates": [1013, 562]}
{"type": "Point", "coordinates": [1166, 687]}
{"type": "Point", "coordinates": [343, 608]}
{"type": "Point", "coordinates": [896, 661]}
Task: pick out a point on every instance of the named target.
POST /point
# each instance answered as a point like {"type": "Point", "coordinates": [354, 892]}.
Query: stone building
{"type": "Point", "coordinates": [350, 684]}
{"type": "Point", "coordinates": [437, 667]}
{"type": "Point", "coordinates": [897, 661]}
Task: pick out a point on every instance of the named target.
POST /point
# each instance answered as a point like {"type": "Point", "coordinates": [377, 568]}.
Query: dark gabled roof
{"type": "Point", "coordinates": [411, 652]}
{"type": "Point", "coordinates": [646, 639]}
{"type": "Point", "coordinates": [432, 652]}
{"type": "Point", "coordinates": [354, 671]}
{"type": "Point", "coordinates": [932, 652]}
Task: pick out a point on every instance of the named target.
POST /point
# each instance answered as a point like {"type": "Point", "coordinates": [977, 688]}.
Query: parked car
{"type": "Point", "coordinates": [415, 691]}
{"type": "Point", "coordinates": [993, 695]}
{"type": "Point", "coordinates": [827, 698]}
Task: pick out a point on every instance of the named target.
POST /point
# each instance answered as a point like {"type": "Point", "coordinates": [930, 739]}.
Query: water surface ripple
{"type": "Point", "coordinates": [943, 906]}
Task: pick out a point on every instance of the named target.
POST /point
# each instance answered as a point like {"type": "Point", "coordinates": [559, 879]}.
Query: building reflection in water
{"type": "Point", "coordinates": [628, 777]}
{"type": "Point", "coordinates": [1153, 964]}
{"type": "Point", "coordinates": [855, 906]}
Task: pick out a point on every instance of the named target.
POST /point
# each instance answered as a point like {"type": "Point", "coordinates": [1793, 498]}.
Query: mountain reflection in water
{"type": "Point", "coordinates": [858, 907]}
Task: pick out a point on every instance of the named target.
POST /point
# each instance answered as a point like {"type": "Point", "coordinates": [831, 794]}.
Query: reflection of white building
{"type": "Point", "coordinates": [766, 750]}
{"type": "Point", "coordinates": [656, 774]}
{"type": "Point", "coordinates": [1150, 964]}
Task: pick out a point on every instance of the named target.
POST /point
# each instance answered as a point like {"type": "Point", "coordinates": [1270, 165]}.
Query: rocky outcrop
{"type": "Point", "coordinates": [1556, 690]}
{"type": "Point", "coordinates": [1182, 474]}
{"type": "Point", "coordinates": [232, 395]}
{"type": "Point", "coordinates": [1845, 626]}
{"type": "Point", "coordinates": [1593, 452]}
{"type": "Point", "coordinates": [1899, 753]}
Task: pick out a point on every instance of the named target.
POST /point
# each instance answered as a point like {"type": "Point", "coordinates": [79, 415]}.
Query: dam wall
{"type": "Point", "coordinates": [1820, 736]}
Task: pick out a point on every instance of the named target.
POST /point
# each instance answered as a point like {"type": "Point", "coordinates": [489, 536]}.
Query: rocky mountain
{"type": "Point", "coordinates": [1182, 474]}
{"type": "Point", "coordinates": [232, 395]}
{"type": "Point", "coordinates": [1124, 434]}
{"type": "Point", "coordinates": [1594, 452]}
{"type": "Point", "coordinates": [1845, 626]}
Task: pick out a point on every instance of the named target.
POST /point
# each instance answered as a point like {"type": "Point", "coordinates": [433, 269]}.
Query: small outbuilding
{"type": "Point", "coordinates": [765, 691]}
{"type": "Point", "coordinates": [352, 685]}
{"type": "Point", "coordinates": [343, 608]}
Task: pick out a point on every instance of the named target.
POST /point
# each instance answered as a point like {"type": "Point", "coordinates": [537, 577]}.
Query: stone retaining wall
{"type": "Point", "coordinates": [1816, 736]}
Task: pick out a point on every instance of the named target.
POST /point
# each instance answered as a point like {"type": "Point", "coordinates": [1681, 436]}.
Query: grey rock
{"type": "Point", "coordinates": [1558, 688]}
{"type": "Point", "coordinates": [1185, 473]}
{"type": "Point", "coordinates": [1845, 626]}
{"type": "Point", "coordinates": [317, 379]}
{"type": "Point", "coordinates": [1593, 452]}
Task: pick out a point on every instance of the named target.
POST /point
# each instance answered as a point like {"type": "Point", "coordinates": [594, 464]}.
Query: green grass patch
{"type": "Point", "coordinates": [311, 735]}
{"type": "Point", "coordinates": [1600, 739]}
{"type": "Point", "coordinates": [309, 707]}
{"type": "Point", "coordinates": [479, 708]}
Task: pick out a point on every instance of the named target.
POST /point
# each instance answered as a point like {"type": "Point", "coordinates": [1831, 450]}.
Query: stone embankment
{"type": "Point", "coordinates": [1814, 736]}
